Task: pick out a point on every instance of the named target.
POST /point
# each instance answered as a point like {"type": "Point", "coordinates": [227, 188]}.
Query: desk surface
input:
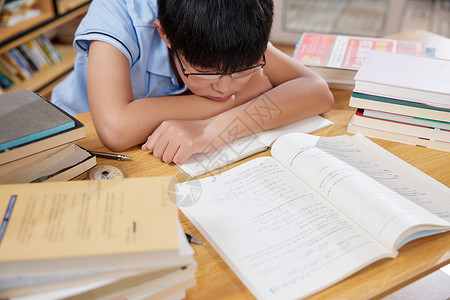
{"type": "Point", "coordinates": [416, 259]}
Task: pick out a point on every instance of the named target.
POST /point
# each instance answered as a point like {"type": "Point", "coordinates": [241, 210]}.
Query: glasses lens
{"type": "Point", "coordinates": [245, 73]}
{"type": "Point", "coordinates": [236, 75]}
{"type": "Point", "coordinates": [209, 77]}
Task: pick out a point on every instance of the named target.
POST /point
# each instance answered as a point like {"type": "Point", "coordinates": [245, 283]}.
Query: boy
{"type": "Point", "coordinates": [185, 76]}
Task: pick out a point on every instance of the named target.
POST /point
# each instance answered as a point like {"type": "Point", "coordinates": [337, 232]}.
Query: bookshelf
{"type": "Point", "coordinates": [54, 13]}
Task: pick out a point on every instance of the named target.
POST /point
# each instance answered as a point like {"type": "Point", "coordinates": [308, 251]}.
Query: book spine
{"type": "Point", "coordinates": [49, 49]}
{"type": "Point", "coordinates": [13, 76]}
{"type": "Point", "coordinates": [30, 57]}
{"type": "Point", "coordinates": [401, 128]}
{"type": "Point", "coordinates": [10, 69]}
{"type": "Point", "coordinates": [406, 119]}
{"type": "Point", "coordinates": [397, 101]}
{"type": "Point", "coordinates": [21, 63]}
{"type": "Point", "coordinates": [37, 55]}
{"type": "Point", "coordinates": [40, 52]}
{"type": "Point", "coordinates": [397, 137]}
{"type": "Point", "coordinates": [5, 81]}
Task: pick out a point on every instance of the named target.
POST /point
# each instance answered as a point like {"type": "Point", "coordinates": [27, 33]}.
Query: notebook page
{"type": "Point", "coordinates": [385, 213]}
{"type": "Point", "coordinates": [282, 239]}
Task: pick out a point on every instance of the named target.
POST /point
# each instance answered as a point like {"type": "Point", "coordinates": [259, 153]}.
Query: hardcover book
{"type": "Point", "coordinates": [26, 116]}
{"type": "Point", "coordinates": [26, 132]}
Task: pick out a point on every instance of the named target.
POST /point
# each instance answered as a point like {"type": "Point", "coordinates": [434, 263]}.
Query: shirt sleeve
{"type": "Point", "coordinates": [113, 22]}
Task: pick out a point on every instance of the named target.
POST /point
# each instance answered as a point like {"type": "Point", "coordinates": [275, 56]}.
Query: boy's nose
{"type": "Point", "coordinates": [223, 84]}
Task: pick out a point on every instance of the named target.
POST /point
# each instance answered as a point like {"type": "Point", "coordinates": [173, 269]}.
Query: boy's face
{"type": "Point", "coordinates": [218, 88]}
{"type": "Point", "coordinates": [214, 87]}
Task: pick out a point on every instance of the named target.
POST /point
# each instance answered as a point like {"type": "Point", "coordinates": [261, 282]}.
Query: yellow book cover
{"type": "Point", "coordinates": [70, 221]}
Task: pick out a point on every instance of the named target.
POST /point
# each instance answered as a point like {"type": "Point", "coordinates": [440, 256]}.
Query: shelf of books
{"type": "Point", "coordinates": [45, 79]}
{"type": "Point", "coordinates": [28, 58]}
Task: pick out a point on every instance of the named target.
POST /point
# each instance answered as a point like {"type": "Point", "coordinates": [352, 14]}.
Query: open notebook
{"type": "Point", "coordinates": [317, 211]}
{"type": "Point", "coordinates": [199, 164]}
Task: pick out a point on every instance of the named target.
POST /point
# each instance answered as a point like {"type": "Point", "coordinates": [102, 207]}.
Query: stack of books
{"type": "Point", "coordinates": [24, 61]}
{"type": "Point", "coordinates": [403, 98]}
{"type": "Point", "coordinates": [336, 58]}
{"type": "Point", "coordinates": [102, 239]}
{"type": "Point", "coordinates": [37, 141]}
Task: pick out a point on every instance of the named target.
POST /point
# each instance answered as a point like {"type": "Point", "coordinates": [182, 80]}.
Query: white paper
{"type": "Point", "coordinates": [199, 164]}
{"type": "Point", "coordinates": [283, 240]}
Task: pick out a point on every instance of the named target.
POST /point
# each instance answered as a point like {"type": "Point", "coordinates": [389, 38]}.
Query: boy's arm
{"type": "Point", "coordinates": [297, 93]}
{"type": "Point", "coordinates": [121, 122]}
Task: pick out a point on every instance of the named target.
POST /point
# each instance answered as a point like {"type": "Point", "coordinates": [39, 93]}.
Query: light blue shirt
{"type": "Point", "coordinates": [129, 26]}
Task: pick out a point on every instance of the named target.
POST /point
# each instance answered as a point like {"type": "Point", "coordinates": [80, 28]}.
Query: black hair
{"type": "Point", "coordinates": [223, 35]}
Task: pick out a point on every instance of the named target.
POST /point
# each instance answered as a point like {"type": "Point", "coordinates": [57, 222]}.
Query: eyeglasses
{"type": "Point", "coordinates": [216, 76]}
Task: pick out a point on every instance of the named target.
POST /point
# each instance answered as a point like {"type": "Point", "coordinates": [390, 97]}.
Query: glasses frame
{"type": "Point", "coordinates": [220, 75]}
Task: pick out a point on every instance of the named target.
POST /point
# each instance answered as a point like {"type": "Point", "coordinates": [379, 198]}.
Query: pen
{"type": "Point", "coordinates": [192, 239]}
{"type": "Point", "coordinates": [110, 155]}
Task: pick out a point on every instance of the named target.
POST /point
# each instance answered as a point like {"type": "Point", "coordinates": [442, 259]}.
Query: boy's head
{"type": "Point", "coordinates": [221, 35]}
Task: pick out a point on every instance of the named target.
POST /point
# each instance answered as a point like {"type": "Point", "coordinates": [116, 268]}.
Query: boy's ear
{"type": "Point", "coordinates": [162, 33]}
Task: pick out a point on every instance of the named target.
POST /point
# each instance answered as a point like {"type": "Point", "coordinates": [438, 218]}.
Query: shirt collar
{"type": "Point", "coordinates": [159, 61]}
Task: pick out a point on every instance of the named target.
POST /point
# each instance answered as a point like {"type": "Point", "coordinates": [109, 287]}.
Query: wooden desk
{"type": "Point", "coordinates": [215, 280]}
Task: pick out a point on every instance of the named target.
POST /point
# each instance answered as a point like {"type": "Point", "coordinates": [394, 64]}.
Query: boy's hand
{"type": "Point", "coordinates": [176, 140]}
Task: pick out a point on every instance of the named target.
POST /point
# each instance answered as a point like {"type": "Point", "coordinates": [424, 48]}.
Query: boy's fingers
{"type": "Point", "coordinates": [160, 148]}
{"type": "Point", "coordinates": [151, 141]}
{"type": "Point", "coordinates": [181, 156]}
{"type": "Point", "coordinates": [170, 152]}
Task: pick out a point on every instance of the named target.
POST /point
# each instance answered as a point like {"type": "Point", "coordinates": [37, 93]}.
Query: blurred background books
{"type": "Point", "coordinates": [23, 62]}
